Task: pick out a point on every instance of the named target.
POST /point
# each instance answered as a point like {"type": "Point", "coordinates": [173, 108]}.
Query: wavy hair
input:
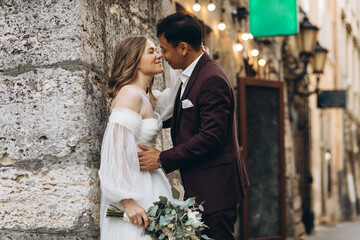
{"type": "Point", "coordinates": [124, 69]}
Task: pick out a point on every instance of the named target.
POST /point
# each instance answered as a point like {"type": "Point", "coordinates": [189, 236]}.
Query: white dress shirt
{"type": "Point", "coordinates": [185, 75]}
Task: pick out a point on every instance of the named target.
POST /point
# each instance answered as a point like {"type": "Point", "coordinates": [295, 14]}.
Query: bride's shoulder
{"type": "Point", "coordinates": [128, 97]}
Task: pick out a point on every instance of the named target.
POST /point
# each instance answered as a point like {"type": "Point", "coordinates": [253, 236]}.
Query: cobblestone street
{"type": "Point", "coordinates": [341, 231]}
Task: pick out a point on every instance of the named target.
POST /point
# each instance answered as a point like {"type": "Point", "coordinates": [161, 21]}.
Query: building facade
{"type": "Point", "coordinates": [334, 138]}
{"type": "Point", "coordinates": [349, 77]}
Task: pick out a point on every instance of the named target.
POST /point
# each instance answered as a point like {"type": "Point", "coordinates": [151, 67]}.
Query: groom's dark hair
{"type": "Point", "coordinates": [180, 27]}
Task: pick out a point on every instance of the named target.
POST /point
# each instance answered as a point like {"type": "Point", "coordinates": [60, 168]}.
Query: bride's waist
{"type": "Point", "coordinates": [143, 143]}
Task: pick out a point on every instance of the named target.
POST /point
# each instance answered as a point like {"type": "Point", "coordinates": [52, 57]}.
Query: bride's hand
{"type": "Point", "coordinates": [135, 213]}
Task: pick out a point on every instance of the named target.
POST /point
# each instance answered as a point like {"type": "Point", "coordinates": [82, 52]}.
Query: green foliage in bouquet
{"type": "Point", "coordinates": [171, 219]}
{"type": "Point", "coordinates": [175, 219]}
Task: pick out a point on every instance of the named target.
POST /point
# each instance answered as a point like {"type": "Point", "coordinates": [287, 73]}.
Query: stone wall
{"type": "Point", "coordinates": [54, 59]}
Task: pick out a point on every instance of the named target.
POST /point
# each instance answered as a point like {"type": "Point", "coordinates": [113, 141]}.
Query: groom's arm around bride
{"type": "Point", "coordinates": [203, 131]}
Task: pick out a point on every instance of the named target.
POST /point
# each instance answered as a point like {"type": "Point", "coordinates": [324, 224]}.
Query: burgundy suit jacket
{"type": "Point", "coordinates": [206, 149]}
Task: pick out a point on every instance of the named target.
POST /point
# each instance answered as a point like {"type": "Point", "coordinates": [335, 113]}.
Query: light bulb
{"type": "Point", "coordinates": [254, 52]}
{"type": "Point", "coordinates": [211, 6]}
{"type": "Point", "coordinates": [221, 26]}
{"type": "Point", "coordinates": [250, 36]}
{"type": "Point", "coordinates": [244, 36]}
{"type": "Point", "coordinates": [238, 47]}
{"type": "Point", "coordinates": [262, 62]}
{"type": "Point", "coordinates": [196, 7]}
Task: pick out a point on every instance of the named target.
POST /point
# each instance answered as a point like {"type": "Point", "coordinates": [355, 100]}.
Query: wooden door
{"type": "Point", "coordinates": [261, 135]}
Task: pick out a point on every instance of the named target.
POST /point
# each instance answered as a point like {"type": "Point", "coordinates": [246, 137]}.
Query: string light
{"type": "Point", "coordinates": [238, 47]}
{"type": "Point", "coordinates": [254, 52]}
{"type": "Point", "coordinates": [222, 25]}
{"type": "Point", "coordinates": [245, 36]}
{"type": "Point", "coordinates": [262, 62]}
{"type": "Point", "coordinates": [196, 7]}
{"type": "Point", "coordinates": [211, 6]}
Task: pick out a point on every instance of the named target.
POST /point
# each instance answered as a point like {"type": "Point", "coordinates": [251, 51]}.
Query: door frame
{"type": "Point", "coordinates": [242, 84]}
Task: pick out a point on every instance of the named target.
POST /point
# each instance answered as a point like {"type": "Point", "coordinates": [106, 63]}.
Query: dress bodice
{"type": "Point", "coordinates": [145, 130]}
{"type": "Point", "coordinates": [148, 132]}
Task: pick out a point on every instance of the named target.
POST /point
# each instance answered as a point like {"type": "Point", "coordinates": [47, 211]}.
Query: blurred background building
{"type": "Point", "coordinates": [297, 86]}
{"type": "Point", "coordinates": [335, 133]}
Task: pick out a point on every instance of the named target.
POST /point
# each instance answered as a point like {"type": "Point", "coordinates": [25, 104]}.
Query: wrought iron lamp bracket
{"type": "Point", "coordinates": [308, 93]}
{"type": "Point", "coordinates": [295, 70]}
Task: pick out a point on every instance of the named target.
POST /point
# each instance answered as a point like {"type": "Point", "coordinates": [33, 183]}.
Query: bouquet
{"type": "Point", "coordinates": [170, 220]}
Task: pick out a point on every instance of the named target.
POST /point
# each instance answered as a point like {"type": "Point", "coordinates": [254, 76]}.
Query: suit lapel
{"type": "Point", "coordinates": [175, 114]}
{"type": "Point", "coordinates": [204, 58]}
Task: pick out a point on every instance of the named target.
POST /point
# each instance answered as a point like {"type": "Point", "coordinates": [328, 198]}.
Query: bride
{"type": "Point", "coordinates": [132, 121]}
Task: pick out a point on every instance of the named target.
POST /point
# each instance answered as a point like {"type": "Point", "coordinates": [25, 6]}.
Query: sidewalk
{"type": "Point", "coordinates": [341, 231]}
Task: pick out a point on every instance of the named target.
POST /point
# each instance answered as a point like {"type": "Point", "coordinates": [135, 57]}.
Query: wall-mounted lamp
{"type": "Point", "coordinates": [296, 67]}
{"type": "Point", "coordinates": [319, 59]}
{"type": "Point", "coordinates": [307, 37]}
{"type": "Point", "coordinates": [196, 7]}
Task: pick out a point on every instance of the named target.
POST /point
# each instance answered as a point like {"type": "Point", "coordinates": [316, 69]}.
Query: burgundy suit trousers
{"type": "Point", "coordinates": [221, 224]}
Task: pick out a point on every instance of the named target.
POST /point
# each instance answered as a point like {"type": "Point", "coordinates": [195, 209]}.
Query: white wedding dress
{"type": "Point", "coordinates": [120, 175]}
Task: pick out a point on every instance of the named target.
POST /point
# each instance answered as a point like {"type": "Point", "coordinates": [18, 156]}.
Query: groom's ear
{"type": "Point", "coordinates": [183, 47]}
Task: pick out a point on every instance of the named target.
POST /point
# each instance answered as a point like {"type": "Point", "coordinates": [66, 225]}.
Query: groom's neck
{"type": "Point", "coordinates": [191, 56]}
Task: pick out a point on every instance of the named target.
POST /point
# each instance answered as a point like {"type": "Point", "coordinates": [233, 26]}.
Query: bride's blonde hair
{"type": "Point", "coordinates": [124, 69]}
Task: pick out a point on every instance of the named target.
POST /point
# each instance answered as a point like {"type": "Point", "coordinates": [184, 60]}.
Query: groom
{"type": "Point", "coordinates": [203, 131]}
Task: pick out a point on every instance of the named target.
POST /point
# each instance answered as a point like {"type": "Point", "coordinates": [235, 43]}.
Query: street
{"type": "Point", "coordinates": [341, 231]}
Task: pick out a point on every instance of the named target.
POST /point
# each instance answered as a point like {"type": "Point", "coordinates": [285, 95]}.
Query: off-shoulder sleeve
{"type": "Point", "coordinates": [119, 168]}
{"type": "Point", "coordinates": [166, 99]}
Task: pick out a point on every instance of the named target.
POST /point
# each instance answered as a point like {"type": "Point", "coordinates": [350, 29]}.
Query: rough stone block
{"type": "Point", "coordinates": [43, 115]}
{"type": "Point", "coordinates": [38, 33]}
{"type": "Point", "coordinates": [58, 198]}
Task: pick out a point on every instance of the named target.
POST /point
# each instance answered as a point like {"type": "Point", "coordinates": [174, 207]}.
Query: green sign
{"type": "Point", "coordinates": [273, 17]}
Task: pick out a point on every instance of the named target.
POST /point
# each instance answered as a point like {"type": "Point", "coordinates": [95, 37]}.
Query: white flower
{"type": "Point", "coordinates": [192, 215]}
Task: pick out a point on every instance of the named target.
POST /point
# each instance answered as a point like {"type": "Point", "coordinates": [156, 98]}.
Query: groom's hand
{"type": "Point", "coordinates": [148, 159]}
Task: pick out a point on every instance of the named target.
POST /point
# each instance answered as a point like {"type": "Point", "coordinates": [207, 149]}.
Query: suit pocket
{"type": "Point", "coordinates": [189, 120]}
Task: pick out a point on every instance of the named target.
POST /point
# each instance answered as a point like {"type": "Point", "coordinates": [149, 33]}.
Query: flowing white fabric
{"type": "Point", "coordinates": [120, 175]}
{"type": "Point", "coordinates": [166, 99]}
